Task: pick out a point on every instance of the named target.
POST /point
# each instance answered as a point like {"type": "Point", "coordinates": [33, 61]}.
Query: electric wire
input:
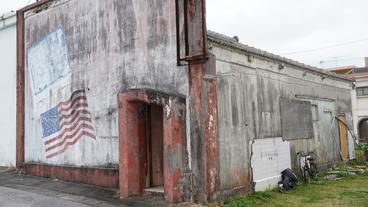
{"type": "Point", "coordinates": [326, 47]}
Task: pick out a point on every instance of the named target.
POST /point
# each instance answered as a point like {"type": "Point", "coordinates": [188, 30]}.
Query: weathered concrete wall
{"type": "Point", "coordinates": [7, 84]}
{"type": "Point", "coordinates": [102, 48]}
{"type": "Point", "coordinates": [251, 89]}
{"type": "Point", "coordinates": [360, 103]}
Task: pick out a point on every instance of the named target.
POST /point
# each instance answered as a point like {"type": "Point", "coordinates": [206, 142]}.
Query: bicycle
{"type": "Point", "coordinates": [308, 165]}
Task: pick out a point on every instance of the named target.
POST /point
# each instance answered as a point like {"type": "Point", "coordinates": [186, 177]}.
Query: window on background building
{"type": "Point", "coordinates": [362, 91]}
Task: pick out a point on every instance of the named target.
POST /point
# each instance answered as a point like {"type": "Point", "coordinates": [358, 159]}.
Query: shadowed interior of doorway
{"type": "Point", "coordinates": [363, 130]}
{"type": "Point", "coordinates": [155, 155]}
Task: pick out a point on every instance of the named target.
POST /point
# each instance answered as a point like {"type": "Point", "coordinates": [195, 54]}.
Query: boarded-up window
{"type": "Point", "coordinates": [296, 119]}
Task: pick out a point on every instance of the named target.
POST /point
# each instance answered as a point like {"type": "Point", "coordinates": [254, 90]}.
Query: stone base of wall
{"type": "Point", "coordinates": [237, 191]}
{"type": "Point", "coordinates": [104, 177]}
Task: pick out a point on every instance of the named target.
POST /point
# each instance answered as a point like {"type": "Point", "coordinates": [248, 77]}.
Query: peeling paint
{"type": "Point", "coordinates": [103, 47]}
{"type": "Point", "coordinates": [168, 109]}
{"type": "Point", "coordinates": [250, 98]}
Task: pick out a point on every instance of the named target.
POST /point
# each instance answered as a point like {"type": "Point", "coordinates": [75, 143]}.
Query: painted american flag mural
{"type": "Point", "coordinates": [65, 124]}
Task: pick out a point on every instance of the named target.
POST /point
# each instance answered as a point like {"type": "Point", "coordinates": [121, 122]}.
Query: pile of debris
{"type": "Point", "coordinates": [336, 173]}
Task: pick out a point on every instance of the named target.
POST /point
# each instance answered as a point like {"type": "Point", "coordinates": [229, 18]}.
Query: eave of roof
{"type": "Point", "coordinates": [348, 67]}
{"type": "Point", "coordinates": [232, 43]}
{"type": "Point", "coordinates": [7, 20]}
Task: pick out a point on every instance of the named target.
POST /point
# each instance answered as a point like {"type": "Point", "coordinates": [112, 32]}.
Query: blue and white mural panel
{"type": "Point", "coordinates": [48, 61]}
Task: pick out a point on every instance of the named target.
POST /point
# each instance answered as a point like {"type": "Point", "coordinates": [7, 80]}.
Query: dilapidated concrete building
{"type": "Point", "coordinates": [269, 104]}
{"type": "Point", "coordinates": [137, 95]}
{"type": "Point", "coordinates": [7, 83]}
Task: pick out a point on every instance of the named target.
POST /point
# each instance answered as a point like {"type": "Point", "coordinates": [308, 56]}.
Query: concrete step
{"type": "Point", "coordinates": [155, 192]}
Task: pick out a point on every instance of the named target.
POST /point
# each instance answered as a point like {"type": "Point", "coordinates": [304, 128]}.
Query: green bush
{"type": "Point", "coordinates": [363, 147]}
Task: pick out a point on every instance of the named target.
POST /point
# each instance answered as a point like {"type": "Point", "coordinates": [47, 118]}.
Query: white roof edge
{"type": "Point", "coordinates": [7, 20]}
{"type": "Point", "coordinates": [7, 15]}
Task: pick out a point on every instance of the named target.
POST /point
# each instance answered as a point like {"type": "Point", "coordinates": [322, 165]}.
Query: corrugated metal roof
{"type": "Point", "coordinates": [231, 42]}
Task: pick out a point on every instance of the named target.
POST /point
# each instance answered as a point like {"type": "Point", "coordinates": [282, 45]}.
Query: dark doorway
{"type": "Point", "coordinates": [363, 131]}
{"type": "Point", "coordinates": [155, 147]}
{"type": "Point", "coordinates": [152, 144]}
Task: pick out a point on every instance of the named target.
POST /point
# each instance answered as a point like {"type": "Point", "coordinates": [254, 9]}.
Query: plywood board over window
{"type": "Point", "coordinates": [296, 119]}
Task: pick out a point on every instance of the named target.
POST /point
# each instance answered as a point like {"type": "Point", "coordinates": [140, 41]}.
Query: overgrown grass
{"type": "Point", "coordinates": [255, 198]}
{"type": "Point", "coordinates": [350, 190]}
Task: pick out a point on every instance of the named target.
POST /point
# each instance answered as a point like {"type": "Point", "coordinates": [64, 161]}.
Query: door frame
{"type": "Point", "coordinates": [132, 138]}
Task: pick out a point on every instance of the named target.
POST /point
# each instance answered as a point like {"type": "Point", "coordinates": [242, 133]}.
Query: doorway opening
{"type": "Point", "coordinates": [363, 131]}
{"type": "Point", "coordinates": [152, 145]}
{"type": "Point", "coordinates": [155, 150]}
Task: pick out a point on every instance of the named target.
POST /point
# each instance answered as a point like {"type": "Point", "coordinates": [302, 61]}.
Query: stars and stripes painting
{"type": "Point", "coordinates": [65, 124]}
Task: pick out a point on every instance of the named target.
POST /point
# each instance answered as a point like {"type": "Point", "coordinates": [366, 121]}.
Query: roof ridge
{"type": "Point", "coordinates": [231, 42]}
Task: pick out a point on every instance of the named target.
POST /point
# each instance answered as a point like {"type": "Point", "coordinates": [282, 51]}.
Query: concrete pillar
{"type": "Point", "coordinates": [174, 149]}
{"type": "Point", "coordinates": [132, 148]}
{"type": "Point", "coordinates": [203, 107]}
{"type": "Point", "coordinates": [204, 131]}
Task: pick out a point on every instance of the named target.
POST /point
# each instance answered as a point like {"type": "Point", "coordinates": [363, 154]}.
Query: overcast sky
{"type": "Point", "coordinates": [288, 26]}
{"type": "Point", "coordinates": [12, 5]}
